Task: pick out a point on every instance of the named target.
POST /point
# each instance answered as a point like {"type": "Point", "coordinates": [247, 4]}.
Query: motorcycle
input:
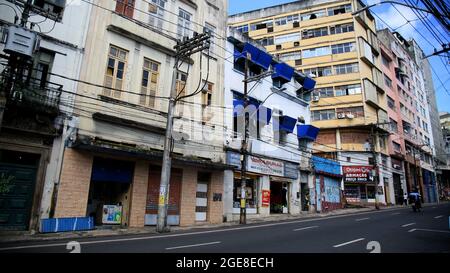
{"type": "Point", "coordinates": [415, 202]}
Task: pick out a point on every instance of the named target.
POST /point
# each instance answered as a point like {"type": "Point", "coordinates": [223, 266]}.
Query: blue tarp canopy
{"type": "Point", "coordinates": [286, 124]}
{"type": "Point", "coordinates": [283, 71]}
{"type": "Point", "coordinates": [257, 56]}
{"type": "Point", "coordinates": [327, 166]}
{"type": "Point", "coordinates": [306, 82]}
{"type": "Point", "coordinates": [108, 170]}
{"type": "Point", "coordinates": [307, 131]}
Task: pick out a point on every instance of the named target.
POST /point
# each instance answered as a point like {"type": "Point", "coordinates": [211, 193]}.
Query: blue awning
{"type": "Point", "coordinates": [326, 166]}
{"type": "Point", "coordinates": [109, 170]}
{"type": "Point", "coordinates": [257, 56]}
{"type": "Point", "coordinates": [286, 124]}
{"type": "Point", "coordinates": [283, 71]}
{"type": "Point", "coordinates": [307, 131]}
{"type": "Point", "coordinates": [306, 82]}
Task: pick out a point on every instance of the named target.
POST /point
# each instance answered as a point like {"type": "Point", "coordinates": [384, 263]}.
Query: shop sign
{"type": "Point", "coordinates": [290, 170]}
{"type": "Point", "coordinates": [265, 166]}
{"type": "Point", "coordinates": [265, 198]}
{"type": "Point", "coordinates": [234, 159]}
{"type": "Point", "coordinates": [357, 173]}
{"type": "Point", "coordinates": [112, 214]}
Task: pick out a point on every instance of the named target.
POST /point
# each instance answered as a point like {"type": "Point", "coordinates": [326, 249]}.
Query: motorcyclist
{"type": "Point", "coordinates": [415, 200]}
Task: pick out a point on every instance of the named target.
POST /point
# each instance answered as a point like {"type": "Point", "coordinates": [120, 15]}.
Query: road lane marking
{"type": "Point", "coordinates": [298, 229]}
{"type": "Point", "coordinates": [430, 230]}
{"type": "Point", "coordinates": [412, 230]}
{"type": "Point", "coordinates": [395, 213]}
{"type": "Point", "coordinates": [347, 243]}
{"type": "Point", "coordinates": [195, 233]}
{"type": "Point", "coordinates": [407, 225]}
{"type": "Point", "coordinates": [186, 246]}
{"type": "Point", "coordinates": [362, 219]}
{"type": "Point", "coordinates": [437, 217]}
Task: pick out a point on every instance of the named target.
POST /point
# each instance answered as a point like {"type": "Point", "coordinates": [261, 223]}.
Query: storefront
{"type": "Point", "coordinates": [327, 187]}
{"type": "Point", "coordinates": [358, 184]}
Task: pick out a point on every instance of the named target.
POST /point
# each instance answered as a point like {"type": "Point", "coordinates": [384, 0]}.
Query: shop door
{"type": "Point", "coordinates": [173, 210]}
{"type": "Point", "coordinates": [16, 204]}
{"type": "Point", "coordinates": [386, 193]}
{"type": "Point", "coordinates": [398, 191]}
{"type": "Point", "coordinates": [318, 195]}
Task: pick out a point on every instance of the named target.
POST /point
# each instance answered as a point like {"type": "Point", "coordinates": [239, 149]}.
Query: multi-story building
{"type": "Point", "coordinates": [278, 169]}
{"type": "Point", "coordinates": [38, 113]}
{"type": "Point", "coordinates": [323, 39]}
{"type": "Point", "coordinates": [445, 167]}
{"type": "Point", "coordinates": [114, 156]}
{"type": "Point", "coordinates": [409, 102]}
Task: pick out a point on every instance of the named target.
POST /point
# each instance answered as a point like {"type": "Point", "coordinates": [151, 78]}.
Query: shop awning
{"type": "Point", "coordinates": [109, 170]}
{"type": "Point", "coordinates": [307, 83]}
{"type": "Point", "coordinates": [257, 56]}
{"type": "Point", "coordinates": [286, 124]}
{"type": "Point", "coordinates": [283, 72]}
{"type": "Point", "coordinates": [326, 166]}
{"type": "Point", "coordinates": [307, 131]}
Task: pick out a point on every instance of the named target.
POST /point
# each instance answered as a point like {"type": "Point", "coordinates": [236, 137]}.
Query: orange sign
{"type": "Point", "coordinates": [265, 198]}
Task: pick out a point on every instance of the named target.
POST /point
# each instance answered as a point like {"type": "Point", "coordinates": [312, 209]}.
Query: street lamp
{"type": "Point", "coordinates": [389, 2]}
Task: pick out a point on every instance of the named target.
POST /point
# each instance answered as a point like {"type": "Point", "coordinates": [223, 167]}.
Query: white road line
{"type": "Point", "coordinates": [351, 242]}
{"type": "Point", "coordinates": [412, 230]}
{"type": "Point", "coordinates": [362, 219]}
{"type": "Point", "coordinates": [186, 246]}
{"type": "Point", "coordinates": [437, 217]}
{"type": "Point", "coordinates": [407, 225]}
{"type": "Point", "coordinates": [298, 229]}
{"type": "Point", "coordinates": [433, 230]}
{"type": "Point", "coordinates": [194, 233]}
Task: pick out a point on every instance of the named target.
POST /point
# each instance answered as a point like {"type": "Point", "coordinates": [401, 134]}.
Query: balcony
{"type": "Point", "coordinates": [370, 93]}
{"type": "Point", "coordinates": [366, 52]}
{"type": "Point", "coordinates": [378, 79]}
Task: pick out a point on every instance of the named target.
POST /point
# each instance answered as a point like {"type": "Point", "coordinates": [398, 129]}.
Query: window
{"type": "Point", "coordinates": [390, 103]}
{"type": "Point", "coordinates": [385, 61]}
{"type": "Point", "coordinates": [316, 52]}
{"type": "Point", "coordinates": [387, 81]}
{"type": "Point", "coordinates": [346, 68]}
{"type": "Point", "coordinates": [266, 41]}
{"type": "Point", "coordinates": [156, 11]}
{"type": "Point", "coordinates": [149, 84]}
{"type": "Point", "coordinates": [242, 29]}
{"type": "Point", "coordinates": [342, 28]}
{"type": "Point", "coordinates": [323, 114]}
{"type": "Point", "coordinates": [343, 48]}
{"type": "Point", "coordinates": [211, 30]}
{"type": "Point", "coordinates": [324, 92]}
{"type": "Point", "coordinates": [319, 71]}
{"type": "Point", "coordinates": [43, 61]}
{"type": "Point", "coordinates": [355, 111]}
{"type": "Point", "coordinates": [345, 90]}
{"type": "Point", "coordinates": [339, 10]}
{"type": "Point", "coordinates": [393, 125]}
{"type": "Point", "coordinates": [312, 15]}
{"type": "Point", "coordinates": [181, 84]}
{"type": "Point", "coordinates": [286, 20]}
{"type": "Point", "coordinates": [184, 23]}
{"type": "Point", "coordinates": [115, 69]}
{"type": "Point", "coordinates": [291, 56]}
{"type": "Point", "coordinates": [312, 33]}
{"type": "Point", "coordinates": [287, 38]}
{"type": "Point", "coordinates": [207, 93]}
{"type": "Point", "coordinates": [397, 147]}
{"type": "Point", "coordinates": [261, 25]}
{"type": "Point", "coordinates": [125, 7]}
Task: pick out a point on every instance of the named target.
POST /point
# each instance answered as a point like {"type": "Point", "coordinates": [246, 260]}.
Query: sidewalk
{"type": "Point", "coordinates": [17, 237]}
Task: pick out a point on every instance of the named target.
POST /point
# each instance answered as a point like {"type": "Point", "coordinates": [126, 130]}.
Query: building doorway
{"type": "Point", "coordinates": [278, 197]}
{"type": "Point", "coordinates": [398, 191]}
{"type": "Point", "coordinates": [109, 191]}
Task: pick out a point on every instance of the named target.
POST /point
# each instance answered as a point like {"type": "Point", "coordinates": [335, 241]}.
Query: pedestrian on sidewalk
{"type": "Point", "coordinates": [405, 199]}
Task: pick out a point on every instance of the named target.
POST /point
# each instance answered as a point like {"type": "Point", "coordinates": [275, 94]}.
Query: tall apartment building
{"type": "Point", "coordinates": [322, 38]}
{"type": "Point", "coordinates": [410, 113]}
{"type": "Point", "coordinates": [114, 156]}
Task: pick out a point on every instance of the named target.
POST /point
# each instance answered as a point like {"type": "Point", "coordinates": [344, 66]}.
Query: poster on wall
{"type": "Point", "coordinates": [265, 198]}
{"type": "Point", "coordinates": [248, 192]}
{"type": "Point", "coordinates": [357, 173]}
{"type": "Point", "coordinates": [112, 214]}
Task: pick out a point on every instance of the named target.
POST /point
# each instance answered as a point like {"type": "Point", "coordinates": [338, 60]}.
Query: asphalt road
{"type": "Point", "coordinates": [386, 231]}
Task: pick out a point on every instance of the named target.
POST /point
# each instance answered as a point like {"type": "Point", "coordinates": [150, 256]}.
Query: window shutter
{"type": "Point", "coordinates": [108, 83]}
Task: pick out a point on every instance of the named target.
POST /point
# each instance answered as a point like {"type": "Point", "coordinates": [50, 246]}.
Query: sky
{"type": "Point", "coordinates": [411, 27]}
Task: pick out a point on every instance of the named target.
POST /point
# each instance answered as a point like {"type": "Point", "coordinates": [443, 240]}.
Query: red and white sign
{"type": "Point", "coordinates": [357, 173]}
{"type": "Point", "coordinates": [265, 198]}
{"type": "Point", "coordinates": [265, 166]}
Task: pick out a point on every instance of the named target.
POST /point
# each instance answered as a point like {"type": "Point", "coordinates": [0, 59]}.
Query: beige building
{"type": "Point", "coordinates": [323, 38]}
{"type": "Point", "coordinates": [114, 156]}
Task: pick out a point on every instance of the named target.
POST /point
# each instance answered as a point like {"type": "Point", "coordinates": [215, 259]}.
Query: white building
{"type": "Point", "coordinates": [278, 163]}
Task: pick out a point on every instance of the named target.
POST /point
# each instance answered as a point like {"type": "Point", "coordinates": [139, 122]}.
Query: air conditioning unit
{"type": "Point", "coordinates": [340, 115]}
{"type": "Point", "coordinates": [278, 47]}
{"type": "Point", "coordinates": [350, 116]}
{"type": "Point", "coordinates": [296, 24]}
{"type": "Point", "coordinates": [316, 98]}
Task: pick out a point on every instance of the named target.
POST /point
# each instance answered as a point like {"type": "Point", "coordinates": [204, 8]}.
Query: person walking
{"type": "Point", "coordinates": [405, 199]}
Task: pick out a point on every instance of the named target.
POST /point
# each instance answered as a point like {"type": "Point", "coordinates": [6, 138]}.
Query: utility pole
{"type": "Point", "coordinates": [184, 49]}
{"type": "Point", "coordinates": [243, 211]}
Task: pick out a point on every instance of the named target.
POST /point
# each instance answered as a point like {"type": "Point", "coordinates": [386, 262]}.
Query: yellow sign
{"type": "Point", "coordinates": [242, 203]}
{"type": "Point", "coordinates": [161, 199]}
